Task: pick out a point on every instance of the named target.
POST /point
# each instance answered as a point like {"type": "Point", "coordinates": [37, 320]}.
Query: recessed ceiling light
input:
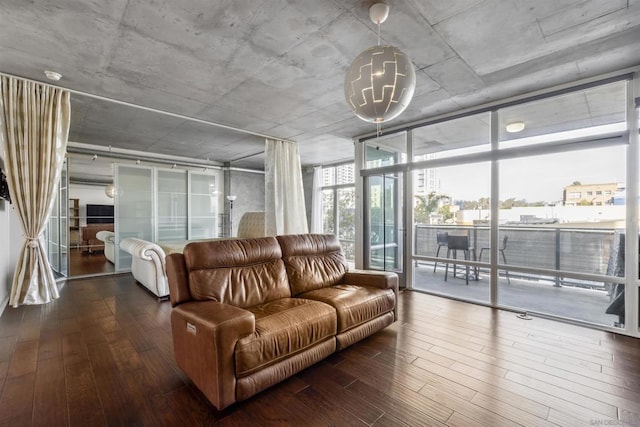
{"type": "Point", "coordinates": [52, 75]}
{"type": "Point", "coordinates": [515, 127]}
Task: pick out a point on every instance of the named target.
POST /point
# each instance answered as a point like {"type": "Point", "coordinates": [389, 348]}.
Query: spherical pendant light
{"type": "Point", "coordinates": [379, 84]}
{"type": "Point", "coordinates": [110, 191]}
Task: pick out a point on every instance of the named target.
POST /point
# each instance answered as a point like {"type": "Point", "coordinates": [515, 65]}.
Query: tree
{"type": "Point", "coordinates": [426, 205]}
{"type": "Point", "coordinates": [446, 213]}
{"type": "Point", "coordinates": [576, 183]}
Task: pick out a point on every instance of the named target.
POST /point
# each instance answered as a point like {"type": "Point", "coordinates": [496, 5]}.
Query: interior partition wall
{"type": "Point", "coordinates": [164, 205]}
{"type": "Point", "coordinates": [134, 212]}
{"type": "Point", "coordinates": [541, 212]}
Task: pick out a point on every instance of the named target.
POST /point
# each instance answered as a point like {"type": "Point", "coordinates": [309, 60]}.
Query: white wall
{"type": "Point", "coordinates": [11, 240]}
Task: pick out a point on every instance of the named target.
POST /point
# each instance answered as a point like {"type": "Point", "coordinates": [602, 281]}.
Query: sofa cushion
{"type": "Point", "coordinates": [242, 273]}
{"type": "Point", "coordinates": [313, 261]}
{"type": "Point", "coordinates": [354, 305]}
{"type": "Point", "coordinates": [283, 328]}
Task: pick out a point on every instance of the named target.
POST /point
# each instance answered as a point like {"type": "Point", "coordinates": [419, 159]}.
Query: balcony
{"type": "Point", "coordinates": [549, 247]}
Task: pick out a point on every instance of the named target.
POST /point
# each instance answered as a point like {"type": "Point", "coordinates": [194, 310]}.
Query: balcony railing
{"type": "Point", "coordinates": [565, 249]}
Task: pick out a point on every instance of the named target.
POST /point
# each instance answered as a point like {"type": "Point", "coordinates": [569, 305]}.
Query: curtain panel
{"type": "Point", "coordinates": [316, 201]}
{"type": "Point", "coordinates": [34, 128]}
{"type": "Point", "coordinates": [285, 211]}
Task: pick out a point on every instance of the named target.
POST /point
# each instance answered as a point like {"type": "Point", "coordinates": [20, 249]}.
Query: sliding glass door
{"type": "Point", "coordinates": [384, 229]}
{"type": "Point", "coordinates": [172, 205]}
{"type": "Point", "coordinates": [133, 208]}
{"type": "Point", "coordinates": [57, 235]}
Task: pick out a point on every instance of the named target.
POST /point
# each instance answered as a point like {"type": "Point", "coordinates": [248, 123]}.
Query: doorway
{"type": "Point", "coordinates": [384, 231]}
{"type": "Point", "coordinates": [91, 215]}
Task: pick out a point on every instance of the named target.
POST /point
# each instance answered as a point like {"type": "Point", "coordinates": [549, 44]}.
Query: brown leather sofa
{"type": "Point", "coordinates": [249, 313]}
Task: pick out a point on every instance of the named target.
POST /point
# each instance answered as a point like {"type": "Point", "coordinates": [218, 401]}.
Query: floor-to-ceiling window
{"type": "Point", "coordinates": [338, 205]}
{"type": "Point", "coordinates": [563, 215]}
{"type": "Point", "coordinates": [451, 202]}
{"type": "Point", "coordinates": [524, 204]}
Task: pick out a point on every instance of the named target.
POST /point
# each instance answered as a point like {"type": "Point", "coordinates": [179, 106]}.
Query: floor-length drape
{"type": "Point", "coordinates": [316, 201]}
{"type": "Point", "coordinates": [34, 128]}
{"type": "Point", "coordinates": [285, 211]}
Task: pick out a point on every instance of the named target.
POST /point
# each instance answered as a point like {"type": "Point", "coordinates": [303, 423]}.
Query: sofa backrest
{"type": "Point", "coordinates": [251, 225]}
{"type": "Point", "coordinates": [242, 273]}
{"type": "Point", "coordinates": [312, 260]}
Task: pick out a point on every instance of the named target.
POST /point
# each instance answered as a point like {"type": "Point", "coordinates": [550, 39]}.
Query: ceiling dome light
{"type": "Point", "coordinates": [515, 127]}
{"type": "Point", "coordinates": [378, 13]}
{"type": "Point", "coordinates": [380, 82]}
{"type": "Point", "coordinates": [52, 75]}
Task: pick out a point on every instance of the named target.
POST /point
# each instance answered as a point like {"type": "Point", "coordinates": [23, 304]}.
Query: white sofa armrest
{"type": "Point", "coordinates": [109, 239]}
{"type": "Point", "coordinates": [146, 254]}
{"type": "Point", "coordinates": [106, 236]}
{"type": "Point", "coordinates": [143, 249]}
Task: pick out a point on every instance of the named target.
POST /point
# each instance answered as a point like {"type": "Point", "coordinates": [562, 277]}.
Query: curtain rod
{"type": "Point", "coordinates": [127, 156]}
{"type": "Point", "coordinates": [153, 110]}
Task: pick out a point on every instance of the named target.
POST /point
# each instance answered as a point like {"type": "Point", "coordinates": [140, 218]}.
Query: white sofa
{"type": "Point", "coordinates": [109, 239]}
{"type": "Point", "coordinates": [148, 258]}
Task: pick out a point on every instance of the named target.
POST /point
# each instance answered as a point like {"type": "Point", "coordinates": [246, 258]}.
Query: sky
{"type": "Point", "coordinates": [538, 178]}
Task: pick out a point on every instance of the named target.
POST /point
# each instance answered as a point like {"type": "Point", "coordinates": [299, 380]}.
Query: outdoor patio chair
{"type": "Point", "coordinates": [501, 250]}
{"type": "Point", "coordinates": [442, 237]}
{"type": "Point", "coordinates": [460, 243]}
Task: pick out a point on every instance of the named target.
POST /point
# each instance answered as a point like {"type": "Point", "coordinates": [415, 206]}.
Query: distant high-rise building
{"type": "Point", "coordinates": [426, 180]}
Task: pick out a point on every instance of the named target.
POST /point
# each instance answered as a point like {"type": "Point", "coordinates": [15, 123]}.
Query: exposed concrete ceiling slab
{"type": "Point", "coordinates": [277, 67]}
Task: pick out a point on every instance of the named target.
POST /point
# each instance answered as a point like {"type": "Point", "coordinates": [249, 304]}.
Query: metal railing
{"type": "Point", "coordinates": [562, 249]}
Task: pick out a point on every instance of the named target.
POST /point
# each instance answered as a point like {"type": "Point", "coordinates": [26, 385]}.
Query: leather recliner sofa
{"type": "Point", "coordinates": [148, 264]}
{"type": "Point", "coordinates": [252, 312]}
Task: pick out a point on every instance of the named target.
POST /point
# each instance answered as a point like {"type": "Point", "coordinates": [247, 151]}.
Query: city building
{"type": "Point", "coordinates": [590, 194]}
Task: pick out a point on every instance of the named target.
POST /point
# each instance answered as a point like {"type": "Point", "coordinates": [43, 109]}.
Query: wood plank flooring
{"type": "Point", "coordinates": [102, 355]}
{"type": "Point", "coordinates": [83, 263]}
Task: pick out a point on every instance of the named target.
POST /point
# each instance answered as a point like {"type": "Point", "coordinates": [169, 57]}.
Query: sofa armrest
{"type": "Point", "coordinates": [143, 249]}
{"type": "Point", "coordinates": [205, 334]}
{"type": "Point", "coordinates": [377, 279]}
{"type": "Point", "coordinates": [177, 279]}
{"type": "Point", "coordinates": [106, 236]}
{"type": "Point", "coordinates": [151, 253]}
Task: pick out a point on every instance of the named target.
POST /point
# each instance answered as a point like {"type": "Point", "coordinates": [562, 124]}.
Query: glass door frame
{"type": "Point", "coordinates": [399, 223]}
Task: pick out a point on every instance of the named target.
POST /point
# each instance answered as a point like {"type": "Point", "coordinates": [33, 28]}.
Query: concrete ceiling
{"type": "Point", "coordinates": [277, 67]}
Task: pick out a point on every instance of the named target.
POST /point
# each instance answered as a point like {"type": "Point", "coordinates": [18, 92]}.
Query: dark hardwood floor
{"type": "Point", "coordinates": [102, 355]}
{"type": "Point", "coordinates": [82, 263]}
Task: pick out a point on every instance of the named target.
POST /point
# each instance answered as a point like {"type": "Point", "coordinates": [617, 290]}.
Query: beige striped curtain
{"type": "Point", "coordinates": [285, 211]}
{"type": "Point", "coordinates": [34, 128]}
